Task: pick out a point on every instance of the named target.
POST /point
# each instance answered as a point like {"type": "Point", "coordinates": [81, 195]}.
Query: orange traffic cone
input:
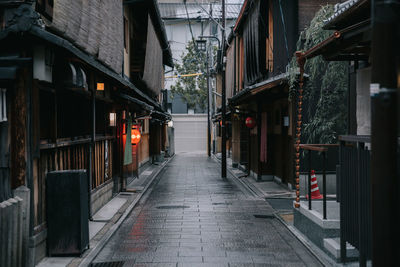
{"type": "Point", "coordinates": [315, 194]}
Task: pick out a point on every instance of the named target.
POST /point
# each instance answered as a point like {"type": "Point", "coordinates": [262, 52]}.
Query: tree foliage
{"type": "Point", "coordinates": [325, 90]}
{"type": "Point", "coordinates": [192, 89]}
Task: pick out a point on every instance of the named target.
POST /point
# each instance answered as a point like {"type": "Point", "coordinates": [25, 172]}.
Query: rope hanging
{"type": "Point", "coordinates": [301, 60]}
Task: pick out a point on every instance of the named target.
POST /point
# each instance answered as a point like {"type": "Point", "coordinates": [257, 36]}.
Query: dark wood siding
{"type": "Point", "coordinates": [288, 12]}
{"type": "Point", "coordinates": [153, 68]}
{"type": "Point", "coordinates": [254, 44]}
{"type": "Point", "coordinates": [230, 81]}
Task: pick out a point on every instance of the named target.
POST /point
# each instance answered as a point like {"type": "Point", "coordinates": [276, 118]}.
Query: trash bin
{"type": "Point", "coordinates": [67, 212]}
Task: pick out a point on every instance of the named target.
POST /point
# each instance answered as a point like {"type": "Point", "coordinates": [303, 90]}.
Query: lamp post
{"type": "Point", "coordinates": [220, 61]}
{"type": "Point", "coordinates": [201, 45]}
{"type": "Point", "coordinates": [223, 146]}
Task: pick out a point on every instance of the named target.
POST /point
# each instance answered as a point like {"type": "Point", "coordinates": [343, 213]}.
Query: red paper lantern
{"type": "Point", "coordinates": [250, 122]}
{"type": "Point", "coordinates": [135, 136]}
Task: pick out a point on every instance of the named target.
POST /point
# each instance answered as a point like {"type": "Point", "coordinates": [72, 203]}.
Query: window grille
{"type": "Point", "coordinates": [144, 126]}
{"type": "Point", "coordinates": [3, 105]}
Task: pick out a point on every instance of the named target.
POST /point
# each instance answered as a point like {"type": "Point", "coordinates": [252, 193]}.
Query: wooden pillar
{"type": "Point", "coordinates": [258, 141]}
{"type": "Point", "coordinates": [18, 119]}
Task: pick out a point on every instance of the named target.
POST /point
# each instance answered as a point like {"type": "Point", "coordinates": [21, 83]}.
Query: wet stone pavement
{"type": "Point", "coordinates": [192, 217]}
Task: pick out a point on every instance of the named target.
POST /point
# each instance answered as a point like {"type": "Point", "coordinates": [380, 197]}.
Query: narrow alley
{"type": "Point", "coordinates": [199, 133]}
{"type": "Point", "coordinates": [192, 217]}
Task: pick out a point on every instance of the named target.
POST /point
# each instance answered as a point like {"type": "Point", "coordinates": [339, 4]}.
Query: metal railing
{"type": "Point", "coordinates": [323, 149]}
{"type": "Point", "coordinates": [355, 196]}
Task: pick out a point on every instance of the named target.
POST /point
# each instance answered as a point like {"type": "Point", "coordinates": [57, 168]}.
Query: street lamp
{"type": "Point", "coordinates": [201, 45]}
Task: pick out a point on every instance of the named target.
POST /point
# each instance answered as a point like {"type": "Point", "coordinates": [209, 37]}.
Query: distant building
{"type": "Point", "coordinates": [204, 17]}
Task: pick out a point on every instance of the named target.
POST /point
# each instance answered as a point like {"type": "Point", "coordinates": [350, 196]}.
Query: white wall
{"type": "Point", "coordinates": [363, 102]}
{"type": "Point", "coordinates": [190, 132]}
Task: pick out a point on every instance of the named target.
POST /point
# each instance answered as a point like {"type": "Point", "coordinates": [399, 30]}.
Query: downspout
{"type": "Point", "coordinates": [92, 152]}
{"type": "Point", "coordinates": [301, 60]}
{"type": "Point", "coordinates": [234, 64]}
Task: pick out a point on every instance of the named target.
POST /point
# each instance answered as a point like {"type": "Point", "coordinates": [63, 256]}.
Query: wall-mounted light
{"type": "Point", "coordinates": [100, 86]}
{"type": "Point", "coordinates": [113, 119]}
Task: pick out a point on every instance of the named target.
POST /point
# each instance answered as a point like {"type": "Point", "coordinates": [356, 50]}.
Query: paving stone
{"type": "Point", "coordinates": [204, 221]}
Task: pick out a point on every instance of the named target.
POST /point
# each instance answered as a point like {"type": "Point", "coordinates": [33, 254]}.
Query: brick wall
{"type": "Point", "coordinates": [308, 8]}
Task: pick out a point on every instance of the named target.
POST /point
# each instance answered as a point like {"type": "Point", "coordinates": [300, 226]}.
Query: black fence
{"type": "Point", "coordinates": [355, 196]}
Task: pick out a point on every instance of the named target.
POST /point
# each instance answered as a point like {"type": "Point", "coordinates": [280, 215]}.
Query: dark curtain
{"type": "Point", "coordinates": [254, 35]}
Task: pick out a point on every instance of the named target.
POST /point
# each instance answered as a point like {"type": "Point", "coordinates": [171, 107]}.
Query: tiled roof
{"type": "Point", "coordinates": [195, 11]}
{"type": "Point", "coordinates": [341, 8]}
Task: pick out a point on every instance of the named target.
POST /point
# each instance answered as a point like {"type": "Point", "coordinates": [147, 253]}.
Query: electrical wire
{"type": "Point", "coordinates": [190, 25]}
{"type": "Point", "coordinates": [210, 16]}
{"type": "Point", "coordinates": [284, 30]}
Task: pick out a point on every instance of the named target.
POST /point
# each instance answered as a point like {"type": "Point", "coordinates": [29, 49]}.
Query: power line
{"type": "Point", "coordinates": [212, 18]}
{"type": "Point", "coordinates": [190, 25]}
{"type": "Point", "coordinates": [284, 30]}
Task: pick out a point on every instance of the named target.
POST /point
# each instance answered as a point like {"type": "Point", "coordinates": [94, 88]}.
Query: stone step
{"type": "Point", "coordinates": [332, 245]}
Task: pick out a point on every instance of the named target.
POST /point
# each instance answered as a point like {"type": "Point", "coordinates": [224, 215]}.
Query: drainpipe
{"type": "Point", "coordinates": [384, 136]}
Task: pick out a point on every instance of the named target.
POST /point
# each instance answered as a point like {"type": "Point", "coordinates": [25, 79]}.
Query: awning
{"type": "Point", "coordinates": [161, 115]}
{"type": "Point", "coordinates": [351, 43]}
{"type": "Point", "coordinates": [259, 88]}
{"type": "Point", "coordinates": [348, 13]}
{"type": "Point", "coordinates": [136, 101]}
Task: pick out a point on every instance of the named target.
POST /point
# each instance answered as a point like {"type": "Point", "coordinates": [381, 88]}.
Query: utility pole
{"type": "Point", "coordinates": [384, 132]}
{"type": "Point", "coordinates": [223, 145]}
{"type": "Point", "coordinates": [208, 106]}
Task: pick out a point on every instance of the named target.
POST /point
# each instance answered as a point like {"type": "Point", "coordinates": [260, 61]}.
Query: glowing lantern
{"type": "Point", "coordinates": [100, 86]}
{"type": "Point", "coordinates": [135, 136]}
{"type": "Point", "coordinates": [250, 122]}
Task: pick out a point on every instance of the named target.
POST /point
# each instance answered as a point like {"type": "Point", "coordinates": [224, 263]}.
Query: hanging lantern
{"type": "Point", "coordinates": [250, 122]}
{"type": "Point", "coordinates": [135, 135]}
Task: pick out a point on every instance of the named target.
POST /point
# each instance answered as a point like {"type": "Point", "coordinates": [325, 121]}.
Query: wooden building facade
{"type": "Point", "coordinates": [75, 78]}
{"type": "Point", "coordinates": [261, 45]}
{"type": "Point", "coordinates": [369, 157]}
